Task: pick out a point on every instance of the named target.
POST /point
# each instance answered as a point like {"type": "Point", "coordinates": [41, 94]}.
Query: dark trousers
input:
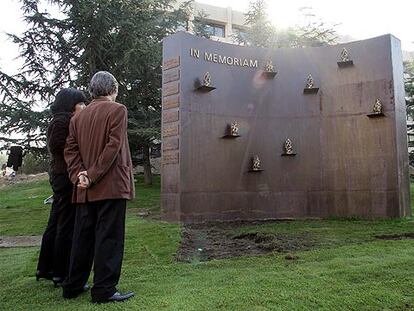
{"type": "Point", "coordinates": [99, 239]}
{"type": "Point", "coordinates": [54, 255]}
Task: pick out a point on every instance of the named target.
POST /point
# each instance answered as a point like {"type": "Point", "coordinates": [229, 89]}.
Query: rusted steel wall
{"type": "Point", "coordinates": [346, 164]}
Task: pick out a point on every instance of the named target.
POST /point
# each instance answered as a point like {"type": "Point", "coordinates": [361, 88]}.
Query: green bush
{"type": "Point", "coordinates": [34, 163]}
{"type": "Point", "coordinates": [3, 159]}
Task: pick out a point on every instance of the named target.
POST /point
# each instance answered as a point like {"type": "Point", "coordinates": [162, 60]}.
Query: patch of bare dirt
{"type": "Point", "coordinates": [408, 235]}
{"type": "Point", "coordinates": [144, 213]}
{"type": "Point", "coordinates": [22, 178]}
{"type": "Point", "coordinates": [140, 212]}
{"type": "Point", "coordinates": [20, 241]}
{"type": "Point", "coordinates": [217, 241]}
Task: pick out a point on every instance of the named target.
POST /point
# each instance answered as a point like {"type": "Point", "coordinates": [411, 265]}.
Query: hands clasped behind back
{"type": "Point", "coordinates": [83, 180]}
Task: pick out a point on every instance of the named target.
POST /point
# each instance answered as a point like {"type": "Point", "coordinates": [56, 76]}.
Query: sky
{"type": "Point", "coordinates": [360, 19]}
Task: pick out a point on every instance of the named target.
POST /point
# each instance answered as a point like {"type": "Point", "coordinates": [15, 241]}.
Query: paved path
{"type": "Point", "coordinates": [20, 241]}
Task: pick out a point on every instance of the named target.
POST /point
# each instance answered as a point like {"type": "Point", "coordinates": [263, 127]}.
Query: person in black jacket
{"type": "Point", "coordinates": [15, 159]}
{"type": "Point", "coordinates": [57, 239]}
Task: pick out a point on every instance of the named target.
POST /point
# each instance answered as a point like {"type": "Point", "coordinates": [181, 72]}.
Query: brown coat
{"type": "Point", "coordinates": [98, 143]}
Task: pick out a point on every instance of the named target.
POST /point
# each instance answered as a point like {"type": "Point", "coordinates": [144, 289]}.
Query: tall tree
{"type": "Point", "coordinates": [120, 36]}
{"type": "Point", "coordinates": [261, 32]}
{"type": "Point", "coordinates": [409, 87]}
{"type": "Point", "coordinates": [200, 24]}
{"type": "Point", "coordinates": [409, 91]}
{"type": "Point", "coordinates": [313, 31]}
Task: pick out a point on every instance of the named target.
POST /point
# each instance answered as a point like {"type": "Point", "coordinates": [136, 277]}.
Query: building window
{"type": "Point", "coordinates": [239, 31]}
{"type": "Point", "coordinates": [215, 30]}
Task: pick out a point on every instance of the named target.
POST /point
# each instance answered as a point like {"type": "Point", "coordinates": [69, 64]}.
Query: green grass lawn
{"type": "Point", "coordinates": [348, 270]}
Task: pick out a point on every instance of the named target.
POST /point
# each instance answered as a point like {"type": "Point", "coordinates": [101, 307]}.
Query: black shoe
{"type": "Point", "coordinates": [57, 281]}
{"type": "Point", "coordinates": [117, 297]}
{"type": "Point", "coordinates": [43, 275]}
{"type": "Point", "coordinates": [75, 294]}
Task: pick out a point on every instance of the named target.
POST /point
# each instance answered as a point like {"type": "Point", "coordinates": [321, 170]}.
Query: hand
{"type": "Point", "coordinates": [84, 181]}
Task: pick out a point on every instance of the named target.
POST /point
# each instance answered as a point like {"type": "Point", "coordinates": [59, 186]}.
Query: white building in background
{"type": "Point", "coordinates": [408, 56]}
{"type": "Point", "coordinates": [222, 23]}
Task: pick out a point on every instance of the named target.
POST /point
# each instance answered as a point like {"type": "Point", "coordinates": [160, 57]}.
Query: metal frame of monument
{"type": "Point", "coordinates": [250, 133]}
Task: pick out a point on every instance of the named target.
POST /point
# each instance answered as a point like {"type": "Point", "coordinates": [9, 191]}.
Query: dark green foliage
{"type": "Point", "coordinates": [409, 91]}
{"type": "Point", "coordinates": [35, 163]}
{"type": "Point", "coordinates": [409, 87]}
{"type": "Point", "coordinates": [120, 36]}
{"type": "Point", "coordinates": [200, 25]}
{"type": "Point", "coordinates": [48, 52]}
{"type": "Point", "coordinates": [260, 31]}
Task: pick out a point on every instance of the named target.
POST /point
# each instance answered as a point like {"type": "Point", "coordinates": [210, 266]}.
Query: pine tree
{"type": "Point", "coordinates": [261, 33]}
{"type": "Point", "coordinates": [409, 87]}
{"type": "Point", "coordinates": [120, 36]}
{"type": "Point", "coordinates": [409, 91]}
{"type": "Point", "coordinates": [47, 63]}
{"type": "Point", "coordinates": [313, 31]}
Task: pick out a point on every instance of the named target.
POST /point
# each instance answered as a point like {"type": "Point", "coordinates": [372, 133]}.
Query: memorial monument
{"type": "Point", "coordinates": [252, 133]}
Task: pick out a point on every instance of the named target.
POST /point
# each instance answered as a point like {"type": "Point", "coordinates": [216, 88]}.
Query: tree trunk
{"type": "Point", "coordinates": [147, 166]}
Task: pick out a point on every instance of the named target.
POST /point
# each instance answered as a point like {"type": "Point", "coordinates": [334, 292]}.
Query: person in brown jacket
{"type": "Point", "coordinates": [99, 165]}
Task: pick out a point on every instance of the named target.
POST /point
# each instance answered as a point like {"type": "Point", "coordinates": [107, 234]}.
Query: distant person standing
{"type": "Point", "coordinates": [15, 159]}
{"type": "Point", "coordinates": [99, 163]}
{"type": "Point", "coordinates": [54, 255]}
{"type": "Point", "coordinates": [4, 169]}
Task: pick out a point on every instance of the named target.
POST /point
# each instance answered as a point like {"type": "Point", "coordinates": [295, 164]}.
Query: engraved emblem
{"type": "Point", "coordinates": [288, 146]}
{"type": "Point", "coordinates": [310, 83]}
{"type": "Point", "coordinates": [207, 79]}
{"type": "Point", "coordinates": [345, 55]}
{"type": "Point", "coordinates": [269, 67]}
{"type": "Point", "coordinates": [256, 165]}
{"type": "Point", "coordinates": [234, 129]}
{"type": "Point", "coordinates": [377, 107]}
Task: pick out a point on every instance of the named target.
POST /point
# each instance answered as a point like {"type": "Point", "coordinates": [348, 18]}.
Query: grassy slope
{"type": "Point", "coordinates": [21, 208]}
{"type": "Point", "coordinates": [350, 271]}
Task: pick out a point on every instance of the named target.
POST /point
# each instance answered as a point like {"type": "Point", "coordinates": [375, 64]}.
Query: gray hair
{"type": "Point", "coordinates": [103, 83]}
